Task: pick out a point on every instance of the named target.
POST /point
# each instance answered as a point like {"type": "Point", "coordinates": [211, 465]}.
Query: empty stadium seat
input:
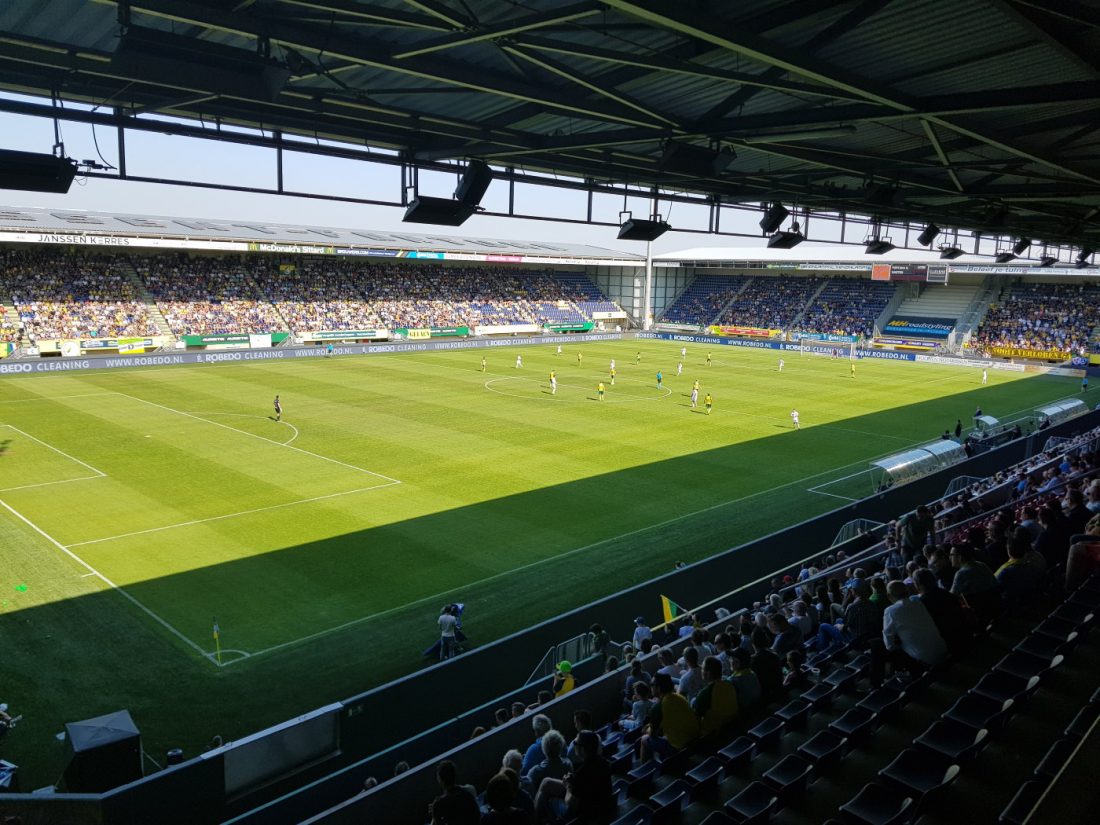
{"type": "Point", "coordinates": [999, 686]}
{"type": "Point", "coordinates": [753, 805]}
{"type": "Point", "coordinates": [669, 802]}
{"type": "Point", "coordinates": [738, 754]}
{"type": "Point", "coordinates": [824, 749]}
{"type": "Point", "coordinates": [979, 712]}
{"type": "Point", "coordinates": [789, 777]}
{"type": "Point", "coordinates": [820, 696]}
{"type": "Point", "coordinates": [706, 776]}
{"type": "Point", "coordinates": [914, 773]}
{"type": "Point", "coordinates": [795, 714]}
{"type": "Point", "coordinates": [854, 724]}
{"type": "Point", "coordinates": [768, 733]}
{"type": "Point", "coordinates": [1017, 811]}
{"type": "Point", "coordinates": [877, 804]}
{"type": "Point", "coordinates": [952, 740]}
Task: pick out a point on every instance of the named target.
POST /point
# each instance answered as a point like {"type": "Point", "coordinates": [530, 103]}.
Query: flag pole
{"type": "Point", "coordinates": [217, 640]}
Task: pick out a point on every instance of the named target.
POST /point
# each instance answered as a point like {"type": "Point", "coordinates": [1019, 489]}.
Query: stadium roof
{"type": "Point", "coordinates": [79, 223]}
{"type": "Point", "coordinates": [807, 253]}
{"type": "Point", "coordinates": [980, 114]}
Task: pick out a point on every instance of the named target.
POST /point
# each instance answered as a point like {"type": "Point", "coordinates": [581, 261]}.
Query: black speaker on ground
{"type": "Point", "coordinates": [636, 229]}
{"type": "Point", "coordinates": [440, 211]}
{"type": "Point", "coordinates": [35, 172]}
{"type": "Point", "coordinates": [104, 752]}
{"type": "Point", "coordinates": [475, 181]}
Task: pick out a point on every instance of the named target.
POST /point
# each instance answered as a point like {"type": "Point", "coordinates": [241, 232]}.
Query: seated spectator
{"type": "Point", "coordinates": [541, 725]}
{"type": "Point", "coordinates": [795, 676]}
{"type": "Point", "coordinates": [672, 723]}
{"type": "Point", "coordinates": [1076, 513]}
{"type": "Point", "coordinates": [975, 583]}
{"type": "Point", "coordinates": [582, 720]}
{"type": "Point", "coordinates": [1084, 555]}
{"type": "Point", "coordinates": [554, 765]}
{"type": "Point", "coordinates": [521, 798]}
{"type": "Point", "coordinates": [1021, 578]}
{"type": "Point", "coordinates": [787, 638]}
{"type": "Point", "coordinates": [946, 611]}
{"type": "Point", "coordinates": [1053, 540]}
{"type": "Point", "coordinates": [639, 708]}
{"type": "Point", "coordinates": [767, 666]}
{"type": "Point", "coordinates": [745, 680]}
{"type": "Point", "coordinates": [716, 703]}
{"type": "Point", "coordinates": [668, 664]}
{"type": "Point", "coordinates": [585, 794]}
{"type": "Point", "coordinates": [457, 804]}
{"type": "Point", "coordinates": [691, 680]}
{"type": "Point", "coordinates": [500, 799]}
{"type": "Point", "coordinates": [642, 635]}
{"type": "Point", "coordinates": [800, 620]}
{"type": "Point", "coordinates": [909, 632]}
{"type": "Point", "coordinates": [637, 674]}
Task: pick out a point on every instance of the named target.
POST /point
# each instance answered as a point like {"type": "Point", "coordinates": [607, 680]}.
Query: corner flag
{"type": "Point", "coordinates": [670, 609]}
{"type": "Point", "coordinates": [217, 640]}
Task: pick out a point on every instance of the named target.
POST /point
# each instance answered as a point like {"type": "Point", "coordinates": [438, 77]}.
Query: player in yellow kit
{"type": "Point", "coordinates": [553, 383]}
{"type": "Point", "coordinates": [613, 376]}
{"type": "Point", "coordinates": [599, 390]}
{"type": "Point", "coordinates": [708, 402]}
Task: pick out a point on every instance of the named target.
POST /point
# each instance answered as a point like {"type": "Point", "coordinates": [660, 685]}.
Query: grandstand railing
{"type": "Point", "coordinates": [854, 528]}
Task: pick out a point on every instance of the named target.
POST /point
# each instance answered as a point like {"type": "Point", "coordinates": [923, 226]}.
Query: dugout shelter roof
{"type": "Point", "coordinates": [979, 114]}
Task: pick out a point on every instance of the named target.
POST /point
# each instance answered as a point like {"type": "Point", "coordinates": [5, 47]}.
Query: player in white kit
{"type": "Point", "coordinates": [985, 377]}
{"type": "Point", "coordinates": [781, 365]}
{"type": "Point", "coordinates": [519, 361]}
{"type": "Point", "coordinates": [794, 418]}
{"type": "Point", "coordinates": [680, 368]}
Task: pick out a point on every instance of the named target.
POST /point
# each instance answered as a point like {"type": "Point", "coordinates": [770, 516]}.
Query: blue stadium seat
{"type": "Point", "coordinates": [768, 733]}
{"type": "Point", "coordinates": [884, 702]}
{"type": "Point", "coordinates": [1025, 665]}
{"type": "Point", "coordinates": [640, 814]}
{"type": "Point", "coordinates": [877, 804]}
{"type": "Point", "coordinates": [913, 773]}
{"type": "Point", "coordinates": [952, 740]}
{"type": "Point", "coordinates": [854, 724]}
{"type": "Point", "coordinates": [979, 712]}
{"type": "Point", "coordinates": [1017, 811]}
{"type": "Point", "coordinates": [669, 802]}
{"type": "Point", "coordinates": [706, 776]}
{"type": "Point", "coordinates": [753, 805]}
{"type": "Point", "coordinates": [789, 777]}
{"type": "Point", "coordinates": [796, 714]}
{"type": "Point", "coordinates": [738, 754]}
{"type": "Point", "coordinates": [1055, 759]}
{"type": "Point", "coordinates": [820, 696]}
{"type": "Point", "coordinates": [824, 749]}
{"type": "Point", "coordinates": [999, 686]}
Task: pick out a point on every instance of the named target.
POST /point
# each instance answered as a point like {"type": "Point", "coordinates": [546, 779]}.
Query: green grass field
{"type": "Point", "coordinates": [138, 505]}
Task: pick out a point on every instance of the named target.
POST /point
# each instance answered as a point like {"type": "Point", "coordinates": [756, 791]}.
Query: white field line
{"type": "Point", "coordinates": [260, 437]}
{"type": "Point", "coordinates": [99, 473]}
{"type": "Point", "coordinates": [261, 417]}
{"type": "Point", "coordinates": [831, 495]}
{"type": "Point", "coordinates": [54, 397]}
{"type": "Point", "coordinates": [92, 571]}
{"type": "Point", "coordinates": [231, 515]}
{"type": "Point", "coordinates": [48, 483]}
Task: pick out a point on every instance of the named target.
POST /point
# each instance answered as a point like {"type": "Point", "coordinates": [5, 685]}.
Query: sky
{"type": "Point", "coordinates": [165, 156]}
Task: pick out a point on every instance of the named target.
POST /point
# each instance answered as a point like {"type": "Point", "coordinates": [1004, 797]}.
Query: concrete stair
{"type": "Point", "coordinates": [940, 301]}
{"type": "Point", "coordinates": [809, 303]}
{"type": "Point", "coordinates": [128, 267]}
{"type": "Point", "coordinates": [736, 295]}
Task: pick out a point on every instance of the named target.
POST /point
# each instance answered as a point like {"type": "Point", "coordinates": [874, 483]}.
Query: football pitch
{"type": "Point", "coordinates": [139, 506]}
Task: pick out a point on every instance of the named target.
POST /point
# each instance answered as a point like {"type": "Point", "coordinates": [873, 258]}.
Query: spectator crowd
{"type": "Point", "coordinates": [770, 303]}
{"type": "Point", "coordinates": [1063, 317]}
{"type": "Point", "coordinates": [847, 306]}
{"type": "Point", "coordinates": [72, 295]}
{"type": "Point", "coordinates": [703, 299]}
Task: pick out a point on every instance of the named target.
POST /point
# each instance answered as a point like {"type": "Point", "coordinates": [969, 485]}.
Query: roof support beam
{"type": "Point", "coordinates": [372, 14]}
{"type": "Point", "coordinates": [935, 141]}
{"type": "Point", "coordinates": [529, 22]}
{"type": "Point", "coordinates": [447, 15]}
{"type": "Point", "coordinates": [1061, 33]}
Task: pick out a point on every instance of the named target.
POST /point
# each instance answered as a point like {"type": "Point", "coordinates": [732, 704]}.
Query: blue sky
{"type": "Point", "coordinates": [152, 154]}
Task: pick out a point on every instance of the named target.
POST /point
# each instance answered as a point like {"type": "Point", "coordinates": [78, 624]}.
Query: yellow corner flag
{"type": "Point", "coordinates": [670, 609]}
{"type": "Point", "coordinates": [217, 640]}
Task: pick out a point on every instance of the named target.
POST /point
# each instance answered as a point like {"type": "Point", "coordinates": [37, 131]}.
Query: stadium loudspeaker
{"type": "Point", "coordinates": [925, 238]}
{"type": "Point", "coordinates": [34, 172]}
{"type": "Point", "coordinates": [441, 211]}
{"type": "Point", "coordinates": [1048, 260]}
{"type": "Point", "coordinates": [162, 57]}
{"type": "Point", "coordinates": [878, 246]}
{"type": "Point", "coordinates": [773, 218]}
{"type": "Point", "coordinates": [785, 240]}
{"type": "Point", "coordinates": [1004, 257]}
{"type": "Point", "coordinates": [637, 229]}
{"type": "Point", "coordinates": [475, 180]}
{"type": "Point", "coordinates": [1021, 246]}
{"type": "Point", "coordinates": [949, 252]}
{"type": "Point", "coordinates": [1085, 253]}
{"type": "Point", "coordinates": [688, 159]}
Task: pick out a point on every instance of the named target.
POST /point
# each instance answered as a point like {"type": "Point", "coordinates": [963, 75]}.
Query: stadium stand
{"type": "Point", "coordinates": [1042, 316]}
{"type": "Point", "coordinates": [73, 296]}
{"type": "Point", "coordinates": [917, 702]}
{"type": "Point", "coordinates": [847, 306]}
{"type": "Point", "coordinates": [317, 295]}
{"type": "Point", "coordinates": [770, 303]}
{"type": "Point", "coordinates": [703, 299]}
{"type": "Point", "coordinates": [209, 296]}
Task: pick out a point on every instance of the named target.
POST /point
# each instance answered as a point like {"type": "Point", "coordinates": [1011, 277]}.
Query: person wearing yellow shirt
{"type": "Point", "coordinates": [563, 679]}
{"type": "Point", "coordinates": [612, 376]}
{"type": "Point", "coordinates": [708, 402]}
{"type": "Point", "coordinates": [716, 704]}
{"type": "Point", "coordinates": [673, 725]}
{"type": "Point", "coordinates": [599, 390]}
{"type": "Point", "coordinates": [553, 382]}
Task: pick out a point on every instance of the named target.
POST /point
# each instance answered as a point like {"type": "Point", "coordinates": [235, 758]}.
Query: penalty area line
{"type": "Point", "coordinates": [93, 572]}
